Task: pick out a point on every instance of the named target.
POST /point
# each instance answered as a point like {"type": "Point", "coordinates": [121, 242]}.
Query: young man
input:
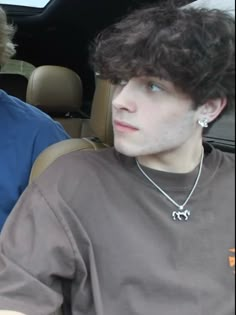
{"type": "Point", "coordinates": [25, 132]}
{"type": "Point", "coordinates": [146, 227]}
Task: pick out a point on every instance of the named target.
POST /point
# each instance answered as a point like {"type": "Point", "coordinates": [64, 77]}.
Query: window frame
{"type": "Point", "coordinates": [25, 5]}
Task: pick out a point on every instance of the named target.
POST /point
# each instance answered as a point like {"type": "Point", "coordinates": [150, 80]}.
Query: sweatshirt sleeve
{"type": "Point", "coordinates": [36, 256]}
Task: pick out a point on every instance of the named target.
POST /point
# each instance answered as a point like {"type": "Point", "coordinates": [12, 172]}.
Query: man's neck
{"type": "Point", "coordinates": [181, 160]}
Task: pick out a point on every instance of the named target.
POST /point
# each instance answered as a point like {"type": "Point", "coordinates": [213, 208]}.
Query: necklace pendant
{"type": "Point", "coordinates": [181, 215]}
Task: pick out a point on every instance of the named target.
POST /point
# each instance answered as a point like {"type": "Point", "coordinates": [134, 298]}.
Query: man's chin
{"type": "Point", "coordinates": [125, 149]}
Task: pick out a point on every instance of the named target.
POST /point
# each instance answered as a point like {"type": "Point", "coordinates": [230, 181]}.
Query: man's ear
{"type": "Point", "coordinates": [212, 109]}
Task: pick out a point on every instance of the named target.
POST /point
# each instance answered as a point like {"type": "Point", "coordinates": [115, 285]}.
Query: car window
{"type": "Point", "coordinates": [27, 3]}
{"type": "Point", "coordinates": [227, 5]}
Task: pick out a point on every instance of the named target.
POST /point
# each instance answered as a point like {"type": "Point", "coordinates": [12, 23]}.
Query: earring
{"type": "Point", "coordinates": [203, 122]}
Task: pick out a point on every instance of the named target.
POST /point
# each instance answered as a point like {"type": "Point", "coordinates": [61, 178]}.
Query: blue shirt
{"type": "Point", "coordinates": [25, 132]}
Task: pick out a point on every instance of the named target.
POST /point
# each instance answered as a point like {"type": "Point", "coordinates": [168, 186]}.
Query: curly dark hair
{"type": "Point", "coordinates": [7, 48]}
{"type": "Point", "coordinates": [194, 48]}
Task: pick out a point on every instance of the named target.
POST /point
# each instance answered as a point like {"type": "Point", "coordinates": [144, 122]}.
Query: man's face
{"type": "Point", "coordinates": [150, 116]}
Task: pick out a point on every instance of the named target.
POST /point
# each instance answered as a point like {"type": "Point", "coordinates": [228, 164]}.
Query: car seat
{"type": "Point", "coordinates": [97, 132]}
{"type": "Point", "coordinates": [57, 91]}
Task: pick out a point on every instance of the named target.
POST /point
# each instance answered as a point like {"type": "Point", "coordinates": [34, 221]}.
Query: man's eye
{"type": "Point", "coordinates": [154, 87]}
{"type": "Point", "coordinates": [118, 82]}
{"type": "Point", "coordinates": [122, 82]}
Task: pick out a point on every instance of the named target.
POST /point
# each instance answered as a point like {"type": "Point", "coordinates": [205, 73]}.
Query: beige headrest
{"type": "Point", "coordinates": [54, 89]}
{"type": "Point", "coordinates": [100, 122]}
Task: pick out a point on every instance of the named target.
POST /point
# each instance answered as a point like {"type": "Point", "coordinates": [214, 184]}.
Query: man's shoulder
{"type": "Point", "coordinates": [83, 161]}
{"type": "Point", "coordinates": [29, 121]}
{"type": "Point", "coordinates": [219, 158]}
{"type": "Point", "coordinates": [21, 111]}
{"type": "Point", "coordinates": [227, 160]}
{"type": "Point", "coordinates": [224, 165]}
{"type": "Point", "coordinates": [77, 169]}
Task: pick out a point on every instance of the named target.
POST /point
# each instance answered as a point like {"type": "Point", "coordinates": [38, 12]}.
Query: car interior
{"type": "Point", "coordinates": [53, 43]}
{"type": "Point", "coordinates": [58, 92]}
{"type": "Point", "coordinates": [54, 39]}
{"type": "Point", "coordinates": [96, 132]}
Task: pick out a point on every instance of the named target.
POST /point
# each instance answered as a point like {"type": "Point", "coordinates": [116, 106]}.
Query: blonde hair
{"type": "Point", "coordinates": [7, 48]}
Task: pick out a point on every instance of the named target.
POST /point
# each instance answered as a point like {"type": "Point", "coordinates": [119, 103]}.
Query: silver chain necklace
{"type": "Point", "coordinates": [182, 213]}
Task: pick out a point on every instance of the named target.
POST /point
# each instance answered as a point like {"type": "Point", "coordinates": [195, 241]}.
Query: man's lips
{"type": "Point", "coordinates": [123, 126]}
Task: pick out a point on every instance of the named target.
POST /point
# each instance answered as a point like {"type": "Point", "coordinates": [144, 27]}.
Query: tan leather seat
{"type": "Point", "coordinates": [58, 92]}
{"type": "Point", "coordinates": [100, 123]}
{"type": "Point", "coordinates": [97, 131]}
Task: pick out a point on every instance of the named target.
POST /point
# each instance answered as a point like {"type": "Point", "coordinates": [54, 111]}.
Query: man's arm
{"type": "Point", "coordinates": [35, 257]}
{"type": "Point", "coordinates": [49, 132]}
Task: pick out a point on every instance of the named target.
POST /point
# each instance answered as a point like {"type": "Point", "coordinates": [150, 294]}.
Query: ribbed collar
{"type": "Point", "coordinates": [176, 181]}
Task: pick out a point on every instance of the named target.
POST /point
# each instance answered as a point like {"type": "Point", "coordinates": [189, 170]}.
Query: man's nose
{"type": "Point", "coordinates": [124, 99]}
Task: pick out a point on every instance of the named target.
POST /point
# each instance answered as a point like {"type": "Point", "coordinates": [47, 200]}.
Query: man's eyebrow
{"type": "Point", "coordinates": [163, 83]}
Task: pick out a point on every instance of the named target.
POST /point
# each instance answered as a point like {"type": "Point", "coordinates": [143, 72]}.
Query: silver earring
{"type": "Point", "coordinates": [203, 122]}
